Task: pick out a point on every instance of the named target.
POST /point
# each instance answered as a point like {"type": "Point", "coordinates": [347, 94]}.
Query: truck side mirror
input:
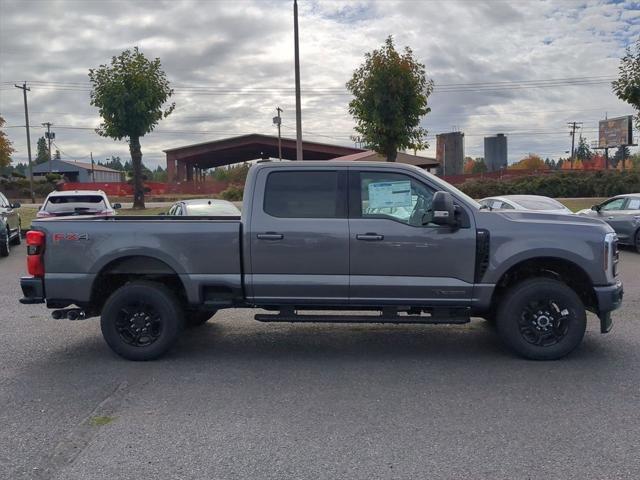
{"type": "Point", "coordinates": [444, 212]}
{"type": "Point", "coordinates": [117, 206]}
{"type": "Point", "coordinates": [596, 208]}
{"type": "Point", "coordinates": [15, 205]}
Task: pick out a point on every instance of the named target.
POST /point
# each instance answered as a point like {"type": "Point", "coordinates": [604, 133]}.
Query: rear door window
{"type": "Point", "coordinates": [633, 204]}
{"type": "Point", "coordinates": [309, 194]}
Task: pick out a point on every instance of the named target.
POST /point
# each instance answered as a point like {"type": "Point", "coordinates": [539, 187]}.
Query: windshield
{"type": "Point", "coordinates": [74, 203]}
{"type": "Point", "coordinates": [539, 203]}
{"type": "Point", "coordinates": [214, 209]}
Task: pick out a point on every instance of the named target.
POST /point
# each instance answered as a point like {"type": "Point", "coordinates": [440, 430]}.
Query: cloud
{"type": "Point", "coordinates": [241, 52]}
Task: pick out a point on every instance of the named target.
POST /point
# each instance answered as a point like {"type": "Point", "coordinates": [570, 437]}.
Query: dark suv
{"type": "Point", "coordinates": [9, 225]}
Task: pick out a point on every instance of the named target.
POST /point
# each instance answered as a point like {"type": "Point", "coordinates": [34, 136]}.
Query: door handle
{"type": "Point", "coordinates": [369, 237]}
{"type": "Point", "coordinates": [270, 236]}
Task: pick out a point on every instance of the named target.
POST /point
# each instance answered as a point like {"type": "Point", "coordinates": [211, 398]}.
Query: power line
{"type": "Point", "coordinates": [340, 91]}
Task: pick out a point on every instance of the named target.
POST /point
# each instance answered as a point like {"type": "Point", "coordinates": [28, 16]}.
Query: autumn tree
{"type": "Point", "coordinates": [42, 151]}
{"type": "Point", "coordinates": [472, 166]}
{"type": "Point", "coordinates": [390, 91]}
{"type": "Point", "coordinates": [131, 95]}
{"type": "Point", "coordinates": [6, 147]}
{"type": "Point", "coordinates": [530, 162]}
{"type": "Point", "coordinates": [627, 87]}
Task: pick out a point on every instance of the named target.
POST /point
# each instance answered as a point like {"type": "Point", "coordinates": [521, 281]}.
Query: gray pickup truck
{"type": "Point", "coordinates": [331, 242]}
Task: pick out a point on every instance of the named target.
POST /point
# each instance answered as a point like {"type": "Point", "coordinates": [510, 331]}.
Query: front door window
{"type": "Point", "coordinates": [396, 197]}
{"type": "Point", "coordinates": [615, 204]}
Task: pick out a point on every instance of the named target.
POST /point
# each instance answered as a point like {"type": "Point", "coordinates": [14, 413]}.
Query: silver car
{"type": "Point", "coordinates": [534, 203]}
{"type": "Point", "coordinates": [622, 212]}
{"type": "Point", "coordinates": [204, 208]}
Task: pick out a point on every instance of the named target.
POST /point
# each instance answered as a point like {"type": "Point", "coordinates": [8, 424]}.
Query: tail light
{"type": "Point", "coordinates": [35, 249]}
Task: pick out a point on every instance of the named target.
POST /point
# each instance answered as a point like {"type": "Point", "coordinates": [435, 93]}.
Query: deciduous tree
{"type": "Point", "coordinates": [390, 91]}
{"type": "Point", "coordinates": [627, 87]}
{"type": "Point", "coordinates": [530, 162]}
{"type": "Point", "coordinates": [131, 94]}
{"type": "Point", "coordinates": [6, 147]}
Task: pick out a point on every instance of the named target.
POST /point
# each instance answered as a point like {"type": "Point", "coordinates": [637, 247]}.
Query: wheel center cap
{"type": "Point", "coordinates": [138, 320]}
{"type": "Point", "coordinates": [543, 321]}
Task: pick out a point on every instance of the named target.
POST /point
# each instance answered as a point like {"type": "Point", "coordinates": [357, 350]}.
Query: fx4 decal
{"type": "Point", "coordinates": [57, 237]}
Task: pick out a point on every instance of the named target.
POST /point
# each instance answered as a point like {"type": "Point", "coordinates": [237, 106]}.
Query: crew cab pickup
{"type": "Point", "coordinates": [331, 242]}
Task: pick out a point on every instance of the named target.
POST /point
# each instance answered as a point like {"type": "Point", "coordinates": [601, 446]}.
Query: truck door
{"type": "Point", "coordinates": [299, 238]}
{"type": "Point", "coordinates": [396, 255]}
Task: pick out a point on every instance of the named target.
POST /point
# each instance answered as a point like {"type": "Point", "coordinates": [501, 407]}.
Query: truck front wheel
{"type": "Point", "coordinates": [541, 319]}
{"type": "Point", "coordinates": [141, 320]}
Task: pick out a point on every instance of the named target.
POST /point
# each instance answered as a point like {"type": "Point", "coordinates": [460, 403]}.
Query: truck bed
{"type": "Point", "coordinates": [203, 251]}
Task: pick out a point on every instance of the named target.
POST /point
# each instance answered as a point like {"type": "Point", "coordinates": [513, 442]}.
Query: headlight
{"type": "Point", "coordinates": [610, 260]}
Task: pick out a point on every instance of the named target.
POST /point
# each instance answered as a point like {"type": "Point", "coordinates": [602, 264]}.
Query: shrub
{"type": "Point", "coordinates": [233, 193]}
{"type": "Point", "coordinates": [567, 185]}
{"type": "Point", "coordinates": [53, 177]}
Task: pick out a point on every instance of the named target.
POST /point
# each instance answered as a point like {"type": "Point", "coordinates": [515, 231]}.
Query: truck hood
{"type": "Point", "coordinates": [552, 219]}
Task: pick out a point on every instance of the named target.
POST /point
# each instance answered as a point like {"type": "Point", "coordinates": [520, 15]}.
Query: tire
{"type": "Point", "coordinates": [5, 244]}
{"type": "Point", "coordinates": [541, 319]}
{"type": "Point", "coordinates": [18, 238]}
{"type": "Point", "coordinates": [141, 320]}
{"type": "Point", "coordinates": [197, 318]}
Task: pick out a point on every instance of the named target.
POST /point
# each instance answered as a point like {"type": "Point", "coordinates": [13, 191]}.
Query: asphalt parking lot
{"type": "Point", "coordinates": [237, 399]}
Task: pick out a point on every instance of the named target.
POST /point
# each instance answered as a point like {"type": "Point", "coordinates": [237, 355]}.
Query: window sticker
{"type": "Point", "coordinates": [390, 194]}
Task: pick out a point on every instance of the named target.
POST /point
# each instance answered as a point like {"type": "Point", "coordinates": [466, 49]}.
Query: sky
{"type": "Point", "coordinates": [523, 68]}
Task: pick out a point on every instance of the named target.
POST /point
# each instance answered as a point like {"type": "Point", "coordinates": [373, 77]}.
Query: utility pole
{"type": "Point", "coordinates": [93, 172]}
{"type": "Point", "coordinates": [49, 136]}
{"type": "Point", "coordinates": [277, 120]}
{"type": "Point", "coordinates": [296, 44]}
{"type": "Point", "coordinates": [24, 89]}
{"type": "Point", "coordinates": [573, 126]}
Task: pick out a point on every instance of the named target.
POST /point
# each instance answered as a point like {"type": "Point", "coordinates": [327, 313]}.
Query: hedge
{"type": "Point", "coordinates": [565, 185]}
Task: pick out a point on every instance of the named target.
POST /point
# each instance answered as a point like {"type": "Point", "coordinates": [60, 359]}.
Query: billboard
{"type": "Point", "coordinates": [615, 132]}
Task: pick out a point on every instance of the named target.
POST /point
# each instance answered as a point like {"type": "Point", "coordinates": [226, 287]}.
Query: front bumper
{"type": "Point", "coordinates": [32, 289]}
{"type": "Point", "coordinates": [609, 299]}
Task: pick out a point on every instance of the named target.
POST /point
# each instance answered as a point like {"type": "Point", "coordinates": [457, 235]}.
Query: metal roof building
{"type": "Point", "coordinates": [78, 171]}
{"type": "Point", "coordinates": [186, 163]}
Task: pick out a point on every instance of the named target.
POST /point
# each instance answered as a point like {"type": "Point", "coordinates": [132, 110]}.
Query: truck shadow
{"type": "Point", "coordinates": [252, 340]}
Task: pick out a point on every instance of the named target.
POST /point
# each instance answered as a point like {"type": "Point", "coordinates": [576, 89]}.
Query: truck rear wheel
{"type": "Point", "coordinates": [141, 320]}
{"type": "Point", "coordinates": [541, 319]}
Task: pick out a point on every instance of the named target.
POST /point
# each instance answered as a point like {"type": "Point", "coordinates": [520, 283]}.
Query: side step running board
{"type": "Point", "coordinates": [415, 319]}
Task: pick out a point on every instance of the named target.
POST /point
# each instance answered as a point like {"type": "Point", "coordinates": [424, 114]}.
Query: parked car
{"type": "Point", "coordinates": [534, 203]}
{"type": "Point", "coordinates": [204, 208]}
{"type": "Point", "coordinates": [10, 225]}
{"type": "Point", "coordinates": [622, 212]}
{"type": "Point", "coordinates": [77, 202]}
{"type": "Point", "coordinates": [389, 242]}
